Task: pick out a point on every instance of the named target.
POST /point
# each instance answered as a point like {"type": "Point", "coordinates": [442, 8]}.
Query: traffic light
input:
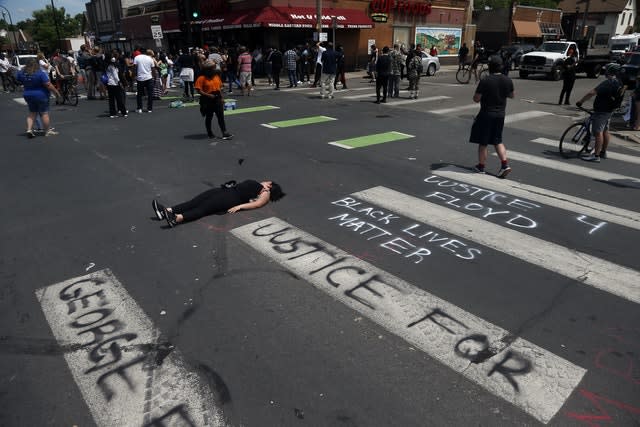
{"type": "Point", "coordinates": [195, 14]}
{"type": "Point", "coordinates": [182, 9]}
{"type": "Point", "coordinates": [194, 9]}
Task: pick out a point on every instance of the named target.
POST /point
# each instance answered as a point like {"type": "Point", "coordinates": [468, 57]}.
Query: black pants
{"type": "Point", "coordinates": [216, 108]}
{"type": "Point", "coordinates": [382, 82]}
{"type": "Point", "coordinates": [276, 75]}
{"type": "Point", "coordinates": [145, 86]}
{"type": "Point", "coordinates": [189, 91]}
{"type": "Point", "coordinates": [567, 87]}
{"type": "Point", "coordinates": [316, 78]}
{"type": "Point", "coordinates": [116, 99]}
{"type": "Point", "coordinates": [340, 78]}
{"type": "Point", "coordinates": [206, 203]}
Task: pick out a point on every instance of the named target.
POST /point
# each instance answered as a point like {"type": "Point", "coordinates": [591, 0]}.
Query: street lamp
{"type": "Point", "coordinates": [15, 40]}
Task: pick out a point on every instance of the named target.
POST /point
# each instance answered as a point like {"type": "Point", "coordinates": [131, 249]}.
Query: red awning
{"type": "Point", "coordinates": [305, 17]}
{"type": "Point", "coordinates": [286, 17]}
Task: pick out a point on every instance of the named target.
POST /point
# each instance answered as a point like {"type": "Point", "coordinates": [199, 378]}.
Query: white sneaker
{"type": "Point", "coordinates": [139, 111]}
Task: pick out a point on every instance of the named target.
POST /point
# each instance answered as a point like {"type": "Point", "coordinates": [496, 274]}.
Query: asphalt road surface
{"type": "Point", "coordinates": [390, 287]}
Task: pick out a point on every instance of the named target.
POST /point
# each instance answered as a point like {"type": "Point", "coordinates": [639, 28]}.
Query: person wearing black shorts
{"type": "Point", "coordinates": [492, 93]}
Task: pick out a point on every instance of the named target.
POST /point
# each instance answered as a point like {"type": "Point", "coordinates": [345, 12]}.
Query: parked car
{"type": "Point", "coordinates": [430, 64]}
{"type": "Point", "coordinates": [516, 50]}
{"type": "Point", "coordinates": [630, 70]}
{"type": "Point", "coordinates": [19, 61]}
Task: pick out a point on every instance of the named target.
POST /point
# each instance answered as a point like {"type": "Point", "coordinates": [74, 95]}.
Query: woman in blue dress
{"type": "Point", "coordinates": [36, 92]}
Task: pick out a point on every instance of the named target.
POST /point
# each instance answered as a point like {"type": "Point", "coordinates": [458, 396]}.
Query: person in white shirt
{"type": "Point", "coordinates": [115, 88]}
{"type": "Point", "coordinates": [5, 67]}
{"type": "Point", "coordinates": [316, 78]}
{"type": "Point", "coordinates": [144, 64]}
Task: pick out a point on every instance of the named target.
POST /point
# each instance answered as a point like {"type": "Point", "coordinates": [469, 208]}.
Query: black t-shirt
{"type": "Point", "coordinates": [495, 89]}
{"type": "Point", "coordinates": [276, 59]}
{"type": "Point", "coordinates": [606, 93]}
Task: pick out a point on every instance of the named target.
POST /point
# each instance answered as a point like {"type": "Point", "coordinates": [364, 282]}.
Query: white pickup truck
{"type": "Point", "coordinates": [547, 59]}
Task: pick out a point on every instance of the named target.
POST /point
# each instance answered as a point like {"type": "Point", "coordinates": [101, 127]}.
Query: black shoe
{"type": "Point", "coordinates": [603, 154]}
{"type": "Point", "coordinates": [171, 218]}
{"type": "Point", "coordinates": [158, 209]}
{"type": "Point", "coordinates": [227, 136]}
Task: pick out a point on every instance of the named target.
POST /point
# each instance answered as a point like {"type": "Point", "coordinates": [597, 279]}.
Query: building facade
{"type": "Point", "coordinates": [354, 24]}
{"type": "Point", "coordinates": [598, 21]}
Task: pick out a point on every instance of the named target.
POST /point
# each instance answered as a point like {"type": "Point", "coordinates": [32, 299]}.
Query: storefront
{"type": "Point", "coordinates": [354, 24]}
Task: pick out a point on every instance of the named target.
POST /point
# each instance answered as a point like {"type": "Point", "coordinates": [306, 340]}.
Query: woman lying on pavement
{"type": "Point", "coordinates": [230, 197]}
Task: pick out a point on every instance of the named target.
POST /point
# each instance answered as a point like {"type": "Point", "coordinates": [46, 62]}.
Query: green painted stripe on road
{"type": "Point", "coordinates": [364, 141]}
{"type": "Point", "coordinates": [302, 121]}
{"type": "Point", "coordinates": [250, 109]}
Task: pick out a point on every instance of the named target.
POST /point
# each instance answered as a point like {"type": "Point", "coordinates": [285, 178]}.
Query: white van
{"type": "Point", "coordinates": [618, 45]}
{"type": "Point", "coordinates": [20, 60]}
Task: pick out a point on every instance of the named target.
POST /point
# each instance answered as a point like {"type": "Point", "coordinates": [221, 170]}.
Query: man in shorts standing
{"type": "Point", "coordinates": [492, 93]}
{"type": "Point", "coordinates": [603, 106]}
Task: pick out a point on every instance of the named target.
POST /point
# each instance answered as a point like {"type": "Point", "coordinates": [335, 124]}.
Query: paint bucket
{"type": "Point", "coordinates": [230, 105]}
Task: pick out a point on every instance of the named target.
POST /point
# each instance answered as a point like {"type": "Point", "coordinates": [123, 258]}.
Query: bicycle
{"type": "Point", "coordinates": [576, 138]}
{"type": "Point", "coordinates": [10, 80]}
{"type": "Point", "coordinates": [69, 91]}
{"type": "Point", "coordinates": [463, 76]}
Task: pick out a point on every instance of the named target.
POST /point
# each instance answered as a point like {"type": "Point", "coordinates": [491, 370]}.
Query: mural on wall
{"type": "Point", "coordinates": [446, 40]}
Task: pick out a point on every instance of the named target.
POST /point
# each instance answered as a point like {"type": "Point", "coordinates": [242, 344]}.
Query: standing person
{"type": "Point", "coordinates": [115, 88]}
{"type": "Point", "coordinates": [245, 195]}
{"type": "Point", "coordinates": [291, 64]}
{"type": "Point", "coordinates": [276, 66]}
{"type": "Point", "coordinates": [5, 69]}
{"type": "Point", "coordinates": [373, 58]}
{"type": "Point", "coordinates": [267, 66]}
{"type": "Point", "coordinates": [329, 64]}
{"type": "Point", "coordinates": [36, 93]}
{"type": "Point", "coordinates": [396, 70]}
{"type": "Point", "coordinates": [170, 69]}
{"type": "Point", "coordinates": [383, 70]}
{"type": "Point", "coordinates": [83, 58]}
{"type": "Point", "coordinates": [163, 69]}
{"type": "Point", "coordinates": [306, 63]}
{"type": "Point", "coordinates": [186, 64]}
{"type": "Point", "coordinates": [232, 69]}
{"type": "Point", "coordinates": [318, 72]}
{"type": "Point", "coordinates": [492, 93]}
{"type": "Point", "coordinates": [209, 86]}
{"type": "Point", "coordinates": [568, 77]}
{"type": "Point", "coordinates": [414, 69]}
{"type": "Point", "coordinates": [244, 70]}
{"type": "Point", "coordinates": [463, 54]}
{"type": "Point", "coordinates": [433, 51]}
{"type": "Point", "coordinates": [144, 64]}
{"type": "Point", "coordinates": [97, 68]}
{"type": "Point", "coordinates": [634, 114]}
{"type": "Point", "coordinates": [606, 94]}
{"type": "Point", "coordinates": [340, 69]}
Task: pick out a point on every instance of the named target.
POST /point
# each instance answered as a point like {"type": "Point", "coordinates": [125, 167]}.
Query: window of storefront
{"type": "Point", "coordinates": [402, 35]}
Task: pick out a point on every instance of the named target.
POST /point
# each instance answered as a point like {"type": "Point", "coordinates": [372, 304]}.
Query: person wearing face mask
{"type": "Point", "coordinates": [229, 197]}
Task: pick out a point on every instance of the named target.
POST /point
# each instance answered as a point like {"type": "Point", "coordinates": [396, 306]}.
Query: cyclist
{"type": "Point", "coordinates": [479, 55]}
{"type": "Point", "coordinates": [66, 68]}
{"type": "Point", "coordinates": [606, 94]}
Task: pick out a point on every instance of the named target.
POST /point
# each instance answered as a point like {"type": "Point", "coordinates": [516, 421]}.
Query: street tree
{"type": "Point", "coordinates": [42, 26]}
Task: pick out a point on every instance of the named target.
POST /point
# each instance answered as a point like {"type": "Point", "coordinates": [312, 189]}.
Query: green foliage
{"type": "Point", "coordinates": [42, 27]}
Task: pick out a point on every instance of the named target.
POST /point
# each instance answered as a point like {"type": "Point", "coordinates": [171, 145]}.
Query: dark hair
{"type": "Point", "coordinates": [495, 64]}
{"type": "Point", "coordinates": [276, 192]}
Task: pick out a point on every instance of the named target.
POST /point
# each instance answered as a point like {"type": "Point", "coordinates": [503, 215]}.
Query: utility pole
{"type": "Point", "coordinates": [15, 40]}
{"type": "Point", "coordinates": [55, 22]}
{"type": "Point", "coordinates": [319, 17]}
{"type": "Point", "coordinates": [584, 19]}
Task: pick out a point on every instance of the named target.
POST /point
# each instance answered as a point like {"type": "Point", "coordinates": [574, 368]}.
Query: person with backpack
{"type": "Point", "coordinates": [568, 76]}
{"type": "Point", "coordinates": [609, 95]}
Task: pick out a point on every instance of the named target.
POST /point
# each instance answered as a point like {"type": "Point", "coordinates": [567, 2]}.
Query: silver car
{"type": "Point", "coordinates": [430, 64]}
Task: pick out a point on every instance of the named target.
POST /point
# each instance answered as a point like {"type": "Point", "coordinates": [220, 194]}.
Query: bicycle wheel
{"type": "Point", "coordinates": [484, 72]}
{"type": "Point", "coordinates": [574, 140]}
{"type": "Point", "coordinates": [463, 75]}
{"type": "Point", "coordinates": [72, 96]}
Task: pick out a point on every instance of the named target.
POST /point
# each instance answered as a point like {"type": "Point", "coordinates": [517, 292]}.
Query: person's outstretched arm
{"type": "Point", "coordinates": [262, 200]}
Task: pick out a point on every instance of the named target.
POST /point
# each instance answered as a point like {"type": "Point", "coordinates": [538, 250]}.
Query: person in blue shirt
{"type": "Point", "coordinates": [37, 89]}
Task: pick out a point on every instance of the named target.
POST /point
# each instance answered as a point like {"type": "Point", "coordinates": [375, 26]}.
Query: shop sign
{"type": "Point", "coordinates": [379, 17]}
{"type": "Point", "coordinates": [155, 19]}
{"type": "Point", "coordinates": [402, 6]}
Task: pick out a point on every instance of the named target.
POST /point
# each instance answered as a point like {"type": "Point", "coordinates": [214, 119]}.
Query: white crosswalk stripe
{"type": "Point", "coordinates": [587, 269]}
{"type": "Point", "coordinates": [431, 324]}
{"type": "Point", "coordinates": [567, 202]}
{"type": "Point", "coordinates": [565, 166]}
{"type": "Point", "coordinates": [456, 109]}
{"type": "Point", "coordinates": [526, 115]}
{"type": "Point", "coordinates": [610, 155]}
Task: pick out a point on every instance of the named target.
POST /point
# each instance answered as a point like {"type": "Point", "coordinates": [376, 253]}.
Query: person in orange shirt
{"type": "Point", "coordinates": [209, 86]}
